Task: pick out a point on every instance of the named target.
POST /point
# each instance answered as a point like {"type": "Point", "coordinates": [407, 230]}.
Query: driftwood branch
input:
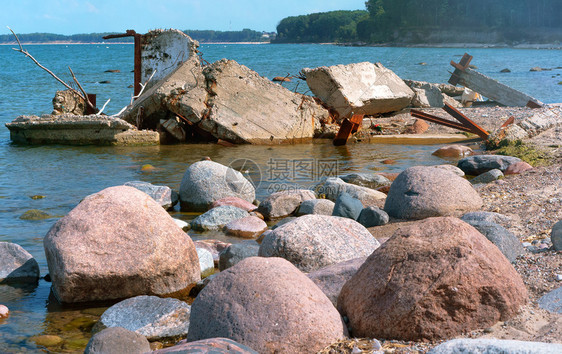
{"type": "Point", "coordinates": [104, 105]}
{"type": "Point", "coordinates": [83, 91]}
{"type": "Point", "coordinates": [26, 53]}
{"type": "Point", "coordinates": [143, 87]}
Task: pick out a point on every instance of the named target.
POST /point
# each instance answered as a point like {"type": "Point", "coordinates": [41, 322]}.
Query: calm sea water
{"type": "Point", "coordinates": [65, 175]}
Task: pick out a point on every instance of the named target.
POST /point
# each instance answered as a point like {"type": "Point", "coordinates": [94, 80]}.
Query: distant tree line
{"type": "Point", "coordinates": [246, 35]}
{"type": "Point", "coordinates": [387, 20]}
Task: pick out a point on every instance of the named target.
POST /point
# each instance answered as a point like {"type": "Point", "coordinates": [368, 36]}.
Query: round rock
{"type": "Point", "coordinates": [504, 240]}
{"type": "Point", "coordinates": [316, 207]}
{"type": "Point", "coordinates": [206, 262]}
{"type": "Point", "coordinates": [453, 151]}
{"type": "Point", "coordinates": [292, 314]}
{"type": "Point", "coordinates": [163, 195]}
{"type": "Point", "coordinates": [208, 346]}
{"type": "Point", "coordinates": [153, 317]}
{"type": "Point", "coordinates": [487, 177]}
{"type": "Point", "coordinates": [248, 227]}
{"type": "Point", "coordinates": [281, 204]}
{"type": "Point", "coordinates": [235, 201]}
{"type": "Point", "coordinates": [205, 182]}
{"type": "Point", "coordinates": [552, 301]}
{"type": "Point", "coordinates": [373, 216]}
{"type": "Point", "coordinates": [368, 180]}
{"type": "Point", "coordinates": [476, 165]}
{"type": "Point", "coordinates": [16, 264]}
{"type": "Point", "coordinates": [217, 218]}
{"type": "Point", "coordinates": [116, 244]}
{"type": "Point", "coordinates": [421, 192]}
{"type": "Point", "coordinates": [117, 340]}
{"type": "Point", "coordinates": [556, 236]}
{"type": "Point", "coordinates": [433, 279]}
{"type": "Point", "coordinates": [332, 187]}
{"type": "Point", "coordinates": [234, 253]}
{"type": "Point", "coordinates": [347, 207]}
{"type": "Point", "coordinates": [517, 168]}
{"type": "Point", "coordinates": [311, 242]}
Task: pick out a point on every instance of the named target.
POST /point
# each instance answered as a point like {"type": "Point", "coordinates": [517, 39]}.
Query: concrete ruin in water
{"type": "Point", "coordinates": [185, 100]}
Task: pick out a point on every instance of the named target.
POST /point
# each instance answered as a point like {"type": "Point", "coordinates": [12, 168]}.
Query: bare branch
{"type": "Point", "coordinates": [82, 89]}
{"type": "Point", "coordinates": [26, 53]}
{"type": "Point", "coordinates": [142, 87]}
{"type": "Point", "coordinates": [101, 110]}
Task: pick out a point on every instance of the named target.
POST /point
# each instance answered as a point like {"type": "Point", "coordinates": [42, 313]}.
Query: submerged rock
{"type": "Point", "coordinates": [285, 203]}
{"type": "Point", "coordinates": [16, 264]}
{"type": "Point", "coordinates": [117, 340]}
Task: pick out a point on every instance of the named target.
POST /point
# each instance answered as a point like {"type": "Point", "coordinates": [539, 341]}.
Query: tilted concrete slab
{"type": "Point", "coordinates": [360, 88]}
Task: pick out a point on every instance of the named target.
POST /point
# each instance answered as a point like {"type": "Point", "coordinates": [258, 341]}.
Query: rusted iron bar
{"type": "Point", "coordinates": [475, 128]}
{"type": "Point", "coordinates": [509, 121]}
{"type": "Point", "coordinates": [461, 66]}
{"type": "Point", "coordinates": [348, 127]}
{"type": "Point", "coordinates": [138, 51]}
{"type": "Point", "coordinates": [431, 118]}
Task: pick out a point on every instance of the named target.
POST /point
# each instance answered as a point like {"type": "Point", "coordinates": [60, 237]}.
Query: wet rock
{"type": "Point", "coordinates": [316, 207]}
{"type": "Point", "coordinates": [184, 225]}
{"type": "Point", "coordinates": [16, 264]}
{"type": "Point", "coordinates": [331, 279]}
{"type": "Point", "coordinates": [235, 253]}
{"type": "Point", "coordinates": [552, 301]}
{"type": "Point", "coordinates": [242, 296]}
{"type": "Point", "coordinates": [416, 285]}
{"type": "Point", "coordinates": [248, 227]}
{"type": "Point", "coordinates": [361, 88]}
{"type": "Point", "coordinates": [420, 192]}
{"type": "Point", "coordinates": [213, 246]}
{"type": "Point", "coordinates": [556, 236]}
{"type": "Point", "coordinates": [487, 177]}
{"type": "Point", "coordinates": [507, 242]}
{"type": "Point", "coordinates": [373, 216]}
{"type": "Point", "coordinates": [419, 127]}
{"type": "Point", "coordinates": [369, 180]}
{"type": "Point", "coordinates": [235, 201]}
{"type": "Point", "coordinates": [281, 204]}
{"type": "Point", "coordinates": [506, 70]}
{"type": "Point", "coordinates": [453, 151]}
{"type": "Point", "coordinates": [536, 68]}
{"type": "Point", "coordinates": [347, 207]}
{"type": "Point", "coordinates": [332, 187]}
{"type": "Point", "coordinates": [517, 168]}
{"type": "Point", "coordinates": [495, 346]}
{"type": "Point", "coordinates": [153, 317]}
{"type": "Point", "coordinates": [217, 218]}
{"type": "Point", "coordinates": [206, 262]}
{"type": "Point", "coordinates": [116, 244]}
{"type": "Point", "coordinates": [35, 214]}
{"type": "Point", "coordinates": [208, 346]}
{"type": "Point", "coordinates": [205, 182]}
{"type": "Point", "coordinates": [4, 311]}
{"type": "Point", "coordinates": [47, 340]}
{"type": "Point", "coordinates": [117, 340]}
{"type": "Point", "coordinates": [164, 195]}
{"type": "Point", "coordinates": [311, 242]}
{"type": "Point", "coordinates": [476, 165]}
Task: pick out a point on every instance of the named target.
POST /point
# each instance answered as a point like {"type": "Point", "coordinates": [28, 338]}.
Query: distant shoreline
{"type": "Point", "coordinates": [107, 43]}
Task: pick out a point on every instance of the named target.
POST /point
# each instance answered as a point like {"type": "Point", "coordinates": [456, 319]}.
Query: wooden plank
{"type": "Point", "coordinates": [475, 128]}
{"type": "Point", "coordinates": [493, 89]}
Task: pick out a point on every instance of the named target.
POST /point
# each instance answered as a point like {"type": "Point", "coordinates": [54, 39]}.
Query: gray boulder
{"type": "Point", "coordinates": [283, 222]}
{"type": "Point", "coordinates": [347, 207]}
{"type": "Point", "coordinates": [217, 218]}
{"type": "Point", "coordinates": [116, 244]}
{"type": "Point", "coordinates": [507, 242]}
{"type": "Point", "coordinates": [316, 207]}
{"type": "Point", "coordinates": [552, 301]}
{"type": "Point", "coordinates": [311, 242]}
{"type": "Point", "coordinates": [235, 253]}
{"type": "Point", "coordinates": [16, 264]}
{"type": "Point", "coordinates": [429, 95]}
{"type": "Point", "coordinates": [163, 195]}
{"type": "Point", "coordinates": [331, 279]}
{"type": "Point", "coordinates": [556, 236]}
{"type": "Point", "coordinates": [495, 346]}
{"type": "Point", "coordinates": [367, 88]}
{"type": "Point", "coordinates": [332, 187]}
{"type": "Point", "coordinates": [153, 317]}
{"type": "Point", "coordinates": [205, 182]}
{"type": "Point", "coordinates": [421, 192]}
{"type": "Point", "coordinates": [117, 340]}
{"type": "Point", "coordinates": [369, 180]}
{"type": "Point", "coordinates": [281, 204]}
{"type": "Point", "coordinates": [487, 177]}
{"type": "Point", "coordinates": [373, 216]}
{"type": "Point", "coordinates": [478, 164]}
{"type": "Point", "coordinates": [208, 346]}
{"type": "Point", "coordinates": [292, 314]}
{"type": "Point", "coordinates": [486, 216]}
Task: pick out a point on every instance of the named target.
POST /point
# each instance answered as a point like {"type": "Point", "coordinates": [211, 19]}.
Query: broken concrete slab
{"type": "Point", "coordinates": [429, 95]}
{"type": "Point", "coordinates": [230, 102]}
{"type": "Point", "coordinates": [78, 130]}
{"type": "Point", "coordinates": [162, 51]}
{"type": "Point", "coordinates": [360, 88]}
{"type": "Point", "coordinates": [68, 102]}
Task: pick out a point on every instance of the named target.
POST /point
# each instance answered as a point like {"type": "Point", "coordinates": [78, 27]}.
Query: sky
{"type": "Point", "coordinates": [79, 16]}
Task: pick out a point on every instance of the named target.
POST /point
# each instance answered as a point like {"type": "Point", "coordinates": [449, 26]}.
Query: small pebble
{"type": "Point", "coordinates": [527, 244]}
{"type": "Point", "coordinates": [559, 277]}
{"type": "Point", "coordinates": [4, 311]}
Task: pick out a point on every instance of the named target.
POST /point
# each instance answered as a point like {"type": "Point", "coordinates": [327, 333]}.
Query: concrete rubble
{"type": "Point", "coordinates": [228, 101]}
{"type": "Point", "coordinates": [433, 95]}
{"type": "Point", "coordinates": [360, 88]}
